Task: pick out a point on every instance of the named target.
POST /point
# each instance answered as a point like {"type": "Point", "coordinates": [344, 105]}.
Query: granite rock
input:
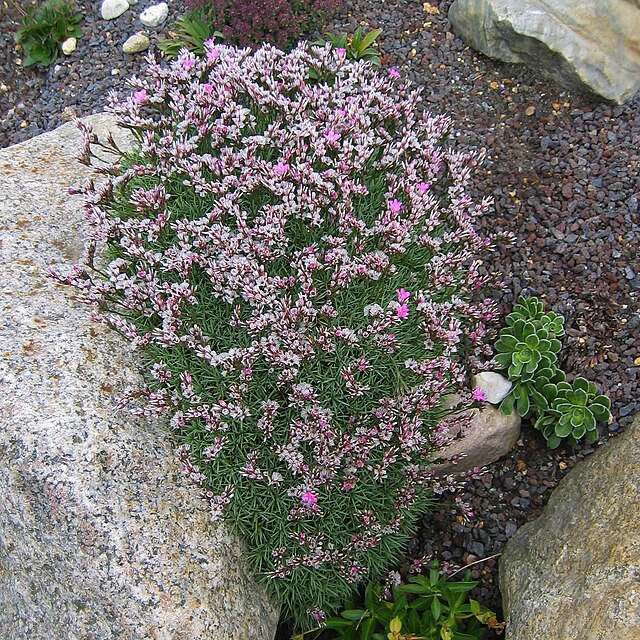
{"type": "Point", "coordinates": [101, 535]}
{"type": "Point", "coordinates": [589, 46]}
{"type": "Point", "coordinates": [575, 571]}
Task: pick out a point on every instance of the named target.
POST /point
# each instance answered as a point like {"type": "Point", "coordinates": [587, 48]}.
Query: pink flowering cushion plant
{"type": "Point", "coordinates": [297, 263]}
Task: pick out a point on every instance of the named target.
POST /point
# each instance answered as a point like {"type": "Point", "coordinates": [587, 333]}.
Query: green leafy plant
{"type": "Point", "coordinates": [191, 32]}
{"type": "Point", "coordinates": [573, 412]}
{"type": "Point", "coordinates": [425, 608]}
{"type": "Point", "coordinates": [358, 45]}
{"type": "Point", "coordinates": [45, 28]}
{"type": "Point", "coordinates": [528, 349]}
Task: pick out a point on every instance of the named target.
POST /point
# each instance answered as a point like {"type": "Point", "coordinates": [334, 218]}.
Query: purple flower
{"type": "Point", "coordinates": [393, 73]}
{"type": "Point", "coordinates": [212, 54]}
{"type": "Point", "coordinates": [402, 311]}
{"type": "Point", "coordinates": [478, 395]}
{"type": "Point", "coordinates": [422, 187]}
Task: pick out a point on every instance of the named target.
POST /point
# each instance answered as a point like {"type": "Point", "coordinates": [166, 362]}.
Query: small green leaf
{"type": "Point", "coordinates": [506, 406]}
{"type": "Point", "coordinates": [563, 430]}
{"type": "Point", "coordinates": [368, 627]}
{"type": "Point", "coordinates": [354, 614]}
{"type": "Point", "coordinates": [436, 608]}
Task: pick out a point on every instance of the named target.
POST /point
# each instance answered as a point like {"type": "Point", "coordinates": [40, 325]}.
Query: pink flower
{"type": "Point", "coordinates": [395, 205]}
{"type": "Point", "coordinates": [281, 168]}
{"type": "Point", "coordinates": [422, 187]}
{"type": "Point", "coordinates": [331, 136]}
{"type": "Point", "coordinates": [402, 311]}
{"type": "Point", "coordinates": [140, 96]}
{"type": "Point", "coordinates": [478, 395]}
{"type": "Point", "coordinates": [208, 88]}
{"type": "Point", "coordinates": [393, 73]}
{"type": "Point", "coordinates": [212, 54]}
{"type": "Point", "coordinates": [188, 63]}
{"type": "Point", "coordinates": [402, 295]}
{"type": "Point", "coordinates": [309, 498]}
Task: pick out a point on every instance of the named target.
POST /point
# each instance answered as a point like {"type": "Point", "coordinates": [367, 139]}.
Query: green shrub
{"type": "Point", "coordinates": [45, 28]}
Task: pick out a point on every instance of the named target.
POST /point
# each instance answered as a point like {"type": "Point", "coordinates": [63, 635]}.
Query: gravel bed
{"type": "Point", "coordinates": [562, 169]}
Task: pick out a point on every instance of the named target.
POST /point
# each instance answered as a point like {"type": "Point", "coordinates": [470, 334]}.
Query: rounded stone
{"type": "Point", "coordinates": [155, 15]}
{"type": "Point", "coordinates": [112, 9]}
{"type": "Point", "coordinates": [69, 46]}
{"type": "Point", "coordinates": [136, 43]}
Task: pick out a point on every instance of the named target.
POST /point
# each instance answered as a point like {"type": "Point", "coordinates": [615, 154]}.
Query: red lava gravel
{"type": "Point", "coordinates": [562, 169]}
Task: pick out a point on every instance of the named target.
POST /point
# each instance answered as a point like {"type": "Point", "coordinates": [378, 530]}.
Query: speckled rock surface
{"type": "Point", "coordinates": [101, 536]}
{"type": "Point", "coordinates": [575, 572]}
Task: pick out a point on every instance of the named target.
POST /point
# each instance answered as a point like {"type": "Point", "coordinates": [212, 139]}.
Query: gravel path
{"type": "Point", "coordinates": [564, 175]}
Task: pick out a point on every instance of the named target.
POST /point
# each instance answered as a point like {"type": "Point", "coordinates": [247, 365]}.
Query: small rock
{"type": "Point", "coordinates": [627, 409]}
{"type": "Point", "coordinates": [155, 15]}
{"type": "Point", "coordinates": [495, 386]}
{"type": "Point", "coordinates": [136, 43]}
{"type": "Point", "coordinates": [488, 436]}
{"type": "Point", "coordinates": [112, 9]}
{"type": "Point", "coordinates": [69, 46]}
{"type": "Point", "coordinates": [529, 111]}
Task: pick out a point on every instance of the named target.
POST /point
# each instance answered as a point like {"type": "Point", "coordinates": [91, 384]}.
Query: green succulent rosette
{"type": "Point", "coordinates": [575, 410]}
{"type": "Point", "coordinates": [526, 347]}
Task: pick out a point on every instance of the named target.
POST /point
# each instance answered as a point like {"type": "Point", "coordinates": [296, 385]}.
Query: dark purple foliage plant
{"type": "Point", "coordinates": [251, 22]}
{"type": "Point", "coordinates": [297, 263]}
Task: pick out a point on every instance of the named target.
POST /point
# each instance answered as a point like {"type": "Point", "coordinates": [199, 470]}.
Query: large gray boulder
{"type": "Point", "coordinates": [590, 46]}
{"type": "Point", "coordinates": [575, 572]}
{"type": "Point", "coordinates": [101, 535]}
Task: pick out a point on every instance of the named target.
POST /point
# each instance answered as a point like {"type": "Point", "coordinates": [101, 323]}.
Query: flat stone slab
{"type": "Point", "coordinates": [101, 535]}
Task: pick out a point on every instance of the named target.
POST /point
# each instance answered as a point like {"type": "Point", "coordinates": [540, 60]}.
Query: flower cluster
{"type": "Point", "coordinates": [248, 22]}
{"type": "Point", "coordinates": [297, 262]}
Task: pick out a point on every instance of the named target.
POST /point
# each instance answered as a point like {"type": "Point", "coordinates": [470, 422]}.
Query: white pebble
{"type": "Point", "coordinates": [69, 46]}
{"type": "Point", "coordinates": [154, 16]}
